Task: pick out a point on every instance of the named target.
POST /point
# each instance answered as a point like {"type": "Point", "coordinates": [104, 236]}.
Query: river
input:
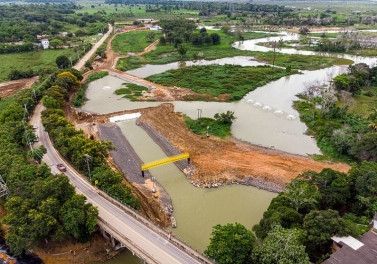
{"type": "Point", "coordinates": [264, 116]}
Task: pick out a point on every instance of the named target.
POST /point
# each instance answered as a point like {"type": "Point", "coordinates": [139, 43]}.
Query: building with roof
{"type": "Point", "coordinates": [355, 251]}
{"type": "Point", "coordinates": [45, 43]}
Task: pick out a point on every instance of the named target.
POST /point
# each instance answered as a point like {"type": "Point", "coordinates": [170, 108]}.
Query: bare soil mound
{"type": "Point", "coordinates": [230, 160]}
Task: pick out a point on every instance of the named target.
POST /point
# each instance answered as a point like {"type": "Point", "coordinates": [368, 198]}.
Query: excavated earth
{"type": "Point", "coordinates": [223, 161]}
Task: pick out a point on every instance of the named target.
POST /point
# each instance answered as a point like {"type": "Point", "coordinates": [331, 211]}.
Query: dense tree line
{"type": "Point", "coordinates": [42, 207]}
{"type": "Point", "coordinates": [74, 146]}
{"type": "Point", "coordinates": [25, 22]}
{"type": "Point", "coordinates": [299, 223]}
{"type": "Point", "coordinates": [340, 45]}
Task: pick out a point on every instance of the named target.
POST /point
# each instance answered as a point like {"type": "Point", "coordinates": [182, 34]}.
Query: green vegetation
{"type": "Point", "coordinates": [312, 208]}
{"type": "Point", "coordinates": [41, 206]}
{"type": "Point", "coordinates": [231, 244]}
{"type": "Point", "coordinates": [219, 126]}
{"type": "Point", "coordinates": [168, 53]}
{"type": "Point", "coordinates": [342, 133]}
{"type": "Point", "coordinates": [231, 81]}
{"type": "Point", "coordinates": [132, 91]}
{"type": "Point", "coordinates": [301, 62]}
{"type": "Point", "coordinates": [134, 41]}
{"type": "Point", "coordinates": [314, 197]}
{"type": "Point", "coordinates": [25, 21]}
{"type": "Point", "coordinates": [74, 146]}
{"type": "Point", "coordinates": [39, 62]}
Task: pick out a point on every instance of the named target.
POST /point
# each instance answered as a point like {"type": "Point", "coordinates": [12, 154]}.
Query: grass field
{"type": "Point", "coordinates": [35, 60]}
{"type": "Point", "coordinates": [167, 53]}
{"type": "Point", "coordinates": [134, 41]}
{"type": "Point", "coordinates": [199, 126]}
{"type": "Point", "coordinates": [234, 81]}
{"type": "Point", "coordinates": [134, 11]}
{"type": "Point", "coordinates": [364, 103]}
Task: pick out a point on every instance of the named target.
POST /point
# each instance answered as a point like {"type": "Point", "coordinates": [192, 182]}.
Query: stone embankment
{"type": "Point", "coordinates": [127, 161]}
{"type": "Point", "coordinates": [189, 170]}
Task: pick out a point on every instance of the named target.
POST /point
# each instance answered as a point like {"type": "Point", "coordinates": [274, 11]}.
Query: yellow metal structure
{"type": "Point", "coordinates": [160, 162]}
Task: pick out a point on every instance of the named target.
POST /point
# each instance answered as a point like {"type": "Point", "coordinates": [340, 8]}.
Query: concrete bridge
{"type": "Point", "coordinates": [124, 225]}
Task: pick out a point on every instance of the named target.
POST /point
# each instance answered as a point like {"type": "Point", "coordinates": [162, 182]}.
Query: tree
{"type": "Point", "coordinates": [88, 65]}
{"type": "Point", "coordinates": [282, 246]}
{"type": "Point", "coordinates": [150, 36]}
{"type": "Point", "coordinates": [304, 30]}
{"type": "Point", "coordinates": [301, 194]}
{"type": "Point", "coordinates": [215, 38]}
{"type": "Point", "coordinates": [225, 118]}
{"type": "Point", "coordinates": [37, 153]}
{"type": "Point", "coordinates": [364, 180]}
{"type": "Point", "coordinates": [50, 102]}
{"type": "Point", "coordinates": [366, 147]}
{"type": "Point", "coordinates": [231, 244]}
{"type": "Point", "coordinates": [79, 218]}
{"type": "Point", "coordinates": [225, 29]}
{"type": "Point", "coordinates": [55, 43]}
{"type": "Point", "coordinates": [62, 62]}
{"type": "Point", "coordinates": [320, 227]}
{"type": "Point", "coordinates": [182, 49]}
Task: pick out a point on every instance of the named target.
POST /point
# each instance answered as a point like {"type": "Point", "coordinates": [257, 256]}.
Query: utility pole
{"type": "Point", "coordinates": [87, 158]}
{"type": "Point", "coordinates": [25, 112]}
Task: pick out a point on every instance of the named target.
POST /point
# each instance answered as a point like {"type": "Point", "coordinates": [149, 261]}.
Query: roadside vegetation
{"type": "Point", "coordinates": [75, 147]}
{"type": "Point", "coordinates": [229, 82]}
{"type": "Point", "coordinates": [41, 206]}
{"type": "Point", "coordinates": [80, 98]}
{"type": "Point", "coordinates": [218, 126]}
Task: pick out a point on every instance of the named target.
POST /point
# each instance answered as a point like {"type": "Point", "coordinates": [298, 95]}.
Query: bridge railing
{"type": "Point", "coordinates": [137, 250]}
{"type": "Point", "coordinates": [163, 233]}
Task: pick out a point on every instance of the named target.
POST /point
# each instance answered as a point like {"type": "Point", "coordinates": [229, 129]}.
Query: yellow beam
{"type": "Point", "coordinates": [156, 163]}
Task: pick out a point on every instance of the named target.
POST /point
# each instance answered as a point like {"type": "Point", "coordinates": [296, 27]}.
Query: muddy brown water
{"type": "Point", "coordinates": [264, 116]}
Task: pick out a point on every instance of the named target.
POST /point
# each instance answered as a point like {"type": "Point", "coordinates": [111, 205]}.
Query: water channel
{"type": "Point", "coordinates": [264, 116]}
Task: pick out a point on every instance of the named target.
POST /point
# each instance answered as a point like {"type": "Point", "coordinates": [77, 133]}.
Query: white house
{"type": "Point", "coordinates": [45, 43]}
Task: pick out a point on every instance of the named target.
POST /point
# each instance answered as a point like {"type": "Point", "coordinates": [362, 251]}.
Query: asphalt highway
{"type": "Point", "coordinates": [157, 247]}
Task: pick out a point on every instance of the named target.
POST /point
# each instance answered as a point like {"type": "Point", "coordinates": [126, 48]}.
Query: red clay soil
{"type": "Point", "coordinates": [217, 159]}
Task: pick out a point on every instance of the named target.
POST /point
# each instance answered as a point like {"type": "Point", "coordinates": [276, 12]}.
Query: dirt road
{"type": "Point", "coordinates": [80, 64]}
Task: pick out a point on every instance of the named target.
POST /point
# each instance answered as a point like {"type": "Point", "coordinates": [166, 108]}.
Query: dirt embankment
{"type": "Point", "coordinates": [12, 87]}
{"type": "Point", "coordinates": [151, 205]}
{"type": "Point", "coordinates": [224, 161]}
{"type": "Point", "coordinates": [68, 252]}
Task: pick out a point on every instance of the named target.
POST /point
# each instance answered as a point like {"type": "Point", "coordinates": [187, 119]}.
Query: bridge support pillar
{"type": "Point", "coordinates": [113, 241]}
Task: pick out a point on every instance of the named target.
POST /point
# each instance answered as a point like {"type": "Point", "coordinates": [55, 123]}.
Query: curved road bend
{"type": "Point", "coordinates": [90, 53]}
{"type": "Point", "coordinates": [156, 246]}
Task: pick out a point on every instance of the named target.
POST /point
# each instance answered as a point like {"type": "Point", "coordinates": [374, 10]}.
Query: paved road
{"type": "Point", "coordinates": [157, 247]}
{"type": "Point", "coordinates": [90, 53]}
